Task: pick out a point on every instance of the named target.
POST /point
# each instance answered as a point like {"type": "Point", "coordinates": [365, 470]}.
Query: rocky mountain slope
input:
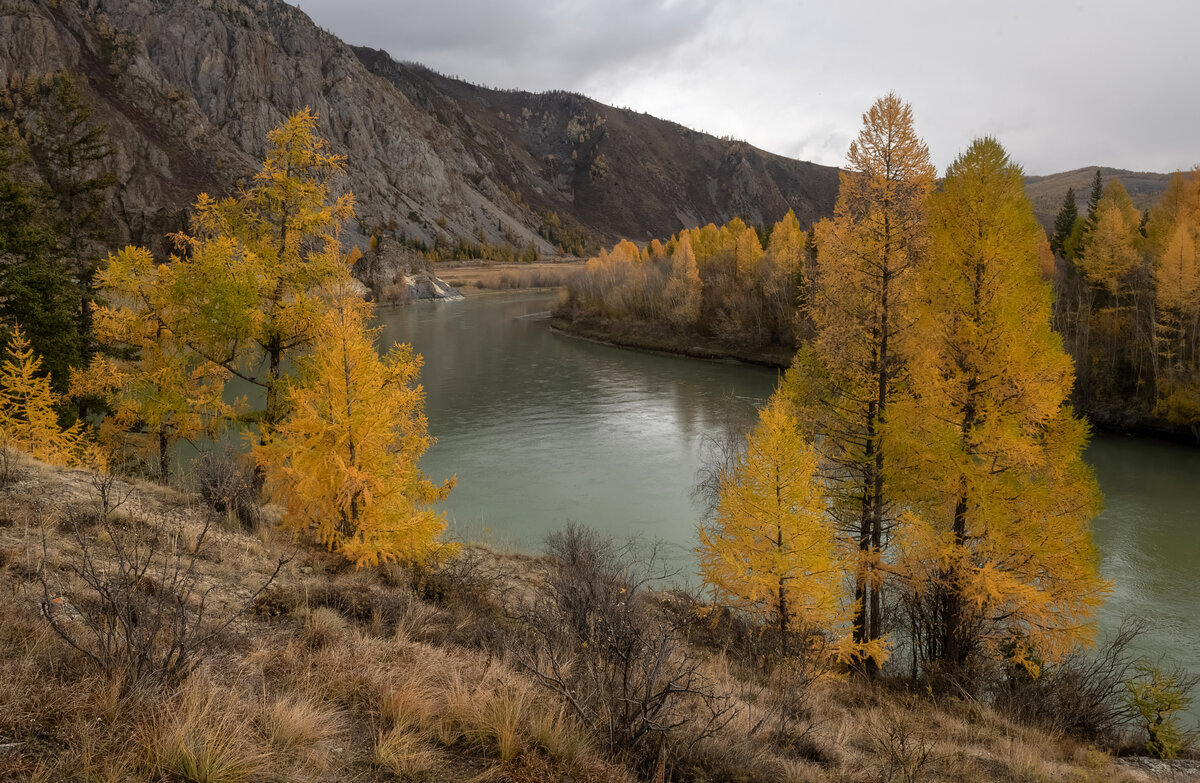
{"type": "Point", "coordinates": [188, 90]}
{"type": "Point", "coordinates": [617, 172]}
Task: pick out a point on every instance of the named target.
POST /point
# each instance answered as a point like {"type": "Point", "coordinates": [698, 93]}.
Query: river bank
{"type": "Point", "coordinates": [662, 339]}
{"type": "Point", "coordinates": [656, 338]}
{"type": "Point", "coordinates": [477, 278]}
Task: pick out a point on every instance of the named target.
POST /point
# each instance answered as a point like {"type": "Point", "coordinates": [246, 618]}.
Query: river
{"type": "Point", "coordinates": [541, 428]}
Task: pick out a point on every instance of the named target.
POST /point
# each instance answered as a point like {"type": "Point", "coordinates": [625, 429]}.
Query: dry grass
{"type": "Point", "coordinates": [293, 721]}
{"type": "Point", "coordinates": [343, 676]}
{"type": "Point", "coordinates": [407, 756]}
{"type": "Point", "coordinates": [505, 277]}
{"type": "Point", "coordinates": [324, 627]}
{"type": "Point", "coordinates": [202, 737]}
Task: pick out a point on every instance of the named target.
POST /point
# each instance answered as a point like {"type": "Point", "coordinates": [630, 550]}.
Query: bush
{"type": "Point", "coordinates": [132, 601]}
{"type": "Point", "coordinates": [228, 486]}
{"type": "Point", "coordinates": [1082, 695]}
{"type": "Point", "coordinates": [1156, 698]}
{"type": "Point", "coordinates": [601, 642]}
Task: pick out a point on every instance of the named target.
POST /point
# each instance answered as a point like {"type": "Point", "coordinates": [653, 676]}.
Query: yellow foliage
{"type": "Point", "coordinates": [867, 253]}
{"type": "Point", "coordinates": [252, 280]}
{"type": "Point", "coordinates": [164, 391]}
{"type": "Point", "coordinates": [1002, 543]}
{"type": "Point", "coordinates": [29, 412]}
{"type": "Point", "coordinates": [1111, 250]}
{"type": "Point", "coordinates": [770, 551]}
{"type": "Point", "coordinates": [683, 289]}
{"type": "Point", "coordinates": [344, 464]}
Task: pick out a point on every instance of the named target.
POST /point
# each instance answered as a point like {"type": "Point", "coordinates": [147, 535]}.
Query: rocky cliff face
{"type": "Point", "coordinates": [190, 88]}
{"type": "Point", "coordinates": [617, 172]}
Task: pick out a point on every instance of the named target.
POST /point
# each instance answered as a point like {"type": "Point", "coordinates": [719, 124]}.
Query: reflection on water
{"type": "Point", "coordinates": [543, 428]}
{"type": "Point", "coordinates": [1149, 541]}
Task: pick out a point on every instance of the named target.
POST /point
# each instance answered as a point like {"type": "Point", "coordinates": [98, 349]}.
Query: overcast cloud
{"type": "Point", "coordinates": [1061, 84]}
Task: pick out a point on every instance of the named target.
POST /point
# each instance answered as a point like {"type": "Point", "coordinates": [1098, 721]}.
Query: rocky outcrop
{"type": "Point", "coordinates": [190, 88]}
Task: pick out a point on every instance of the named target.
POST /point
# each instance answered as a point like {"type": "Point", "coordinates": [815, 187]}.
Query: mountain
{"type": "Point", "coordinates": [188, 90]}
{"type": "Point", "coordinates": [1047, 192]}
{"type": "Point", "coordinates": [619, 172]}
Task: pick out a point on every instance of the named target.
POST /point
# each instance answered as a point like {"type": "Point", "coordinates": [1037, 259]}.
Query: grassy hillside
{"type": "Point", "coordinates": [391, 674]}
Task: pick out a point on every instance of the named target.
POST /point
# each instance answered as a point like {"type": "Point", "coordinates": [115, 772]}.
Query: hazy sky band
{"type": "Point", "coordinates": [1061, 84]}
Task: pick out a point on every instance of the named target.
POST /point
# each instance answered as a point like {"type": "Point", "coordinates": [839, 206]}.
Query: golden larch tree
{"type": "Point", "coordinates": [29, 411]}
{"type": "Point", "coordinates": [156, 388]}
{"type": "Point", "coordinates": [344, 464]}
{"type": "Point", "coordinates": [867, 254]}
{"type": "Point", "coordinates": [1173, 232]}
{"type": "Point", "coordinates": [769, 550]}
{"type": "Point", "coordinates": [1000, 556]}
{"type": "Point", "coordinates": [783, 285]}
{"type": "Point", "coordinates": [262, 263]}
{"type": "Point", "coordinates": [683, 291]}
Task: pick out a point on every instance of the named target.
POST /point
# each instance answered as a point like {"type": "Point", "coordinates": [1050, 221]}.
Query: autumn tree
{"type": "Point", "coordinates": [250, 286]}
{"type": "Point", "coordinates": [783, 284]}
{"type": "Point", "coordinates": [1114, 322]}
{"type": "Point", "coordinates": [155, 387]}
{"type": "Point", "coordinates": [769, 550]}
{"type": "Point", "coordinates": [1001, 557]}
{"type": "Point", "coordinates": [344, 463]}
{"type": "Point", "coordinates": [1173, 234]}
{"type": "Point", "coordinates": [867, 254]}
{"type": "Point", "coordinates": [684, 289]}
{"type": "Point", "coordinates": [29, 411]}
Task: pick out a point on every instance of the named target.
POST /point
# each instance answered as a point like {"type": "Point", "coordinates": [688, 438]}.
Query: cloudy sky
{"type": "Point", "coordinates": [1062, 83]}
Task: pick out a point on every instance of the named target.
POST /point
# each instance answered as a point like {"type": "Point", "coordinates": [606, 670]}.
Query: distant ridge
{"type": "Point", "coordinates": [1047, 192]}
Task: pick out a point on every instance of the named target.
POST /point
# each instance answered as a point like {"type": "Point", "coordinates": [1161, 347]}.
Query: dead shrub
{"type": "Point", "coordinates": [228, 486]}
{"type": "Point", "coordinates": [1083, 695]}
{"type": "Point", "coordinates": [599, 640]}
{"type": "Point", "coordinates": [132, 599]}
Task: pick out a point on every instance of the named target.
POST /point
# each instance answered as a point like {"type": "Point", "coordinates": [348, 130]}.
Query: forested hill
{"type": "Point", "coordinates": [1047, 192]}
{"type": "Point", "coordinates": [187, 90]}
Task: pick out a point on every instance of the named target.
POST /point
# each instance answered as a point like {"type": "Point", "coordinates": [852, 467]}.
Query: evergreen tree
{"type": "Point", "coordinates": [1064, 223]}
{"type": "Point", "coordinates": [1094, 202]}
{"type": "Point", "coordinates": [35, 291]}
{"type": "Point", "coordinates": [74, 156]}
